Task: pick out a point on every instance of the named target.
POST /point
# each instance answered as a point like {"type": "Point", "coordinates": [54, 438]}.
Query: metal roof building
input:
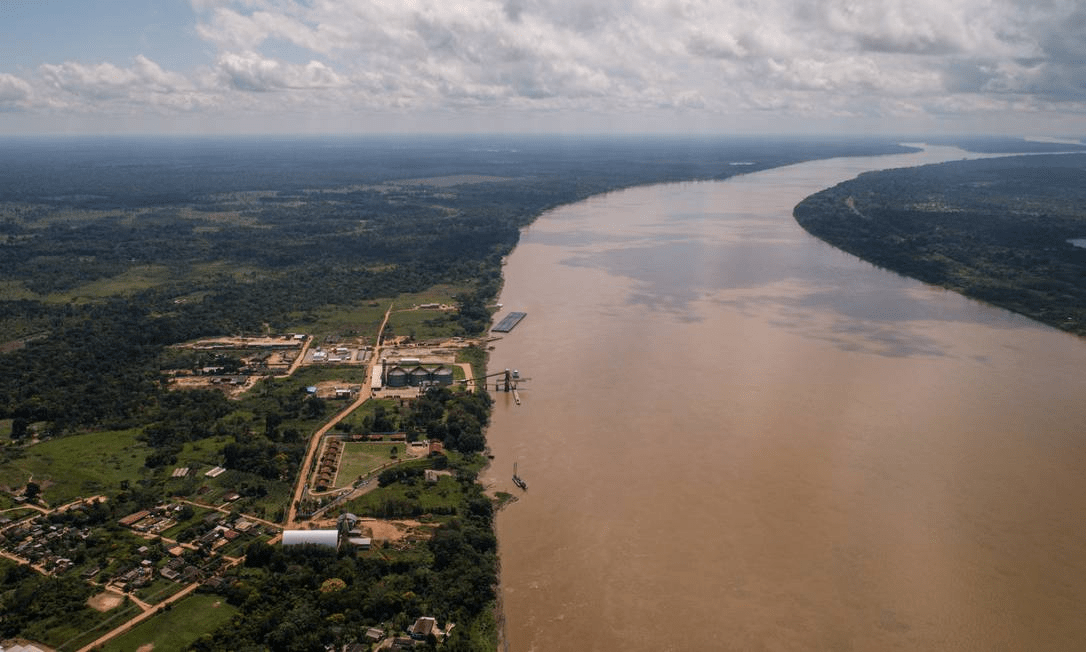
{"type": "Point", "coordinates": [329, 538]}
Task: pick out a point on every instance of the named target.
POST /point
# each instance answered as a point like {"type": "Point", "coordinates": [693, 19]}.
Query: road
{"type": "Point", "coordinates": [315, 440]}
{"type": "Point", "coordinates": [301, 357]}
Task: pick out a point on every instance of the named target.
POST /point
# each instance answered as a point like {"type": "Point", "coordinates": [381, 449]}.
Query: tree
{"type": "Point", "coordinates": [32, 491]}
{"type": "Point", "coordinates": [314, 407]}
{"type": "Point", "coordinates": [19, 427]}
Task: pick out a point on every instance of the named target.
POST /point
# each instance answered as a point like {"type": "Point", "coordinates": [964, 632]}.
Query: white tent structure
{"type": "Point", "coordinates": [329, 538]}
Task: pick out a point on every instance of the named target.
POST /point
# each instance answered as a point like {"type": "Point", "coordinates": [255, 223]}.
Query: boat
{"type": "Point", "coordinates": [517, 480]}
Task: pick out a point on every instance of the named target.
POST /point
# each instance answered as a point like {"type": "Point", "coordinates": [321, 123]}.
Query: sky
{"type": "Point", "coordinates": [1009, 67]}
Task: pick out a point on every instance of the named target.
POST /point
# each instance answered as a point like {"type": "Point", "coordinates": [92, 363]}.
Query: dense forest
{"type": "Point", "coordinates": [111, 249]}
{"type": "Point", "coordinates": [1000, 230]}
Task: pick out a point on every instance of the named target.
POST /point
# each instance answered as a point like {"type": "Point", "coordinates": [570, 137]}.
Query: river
{"type": "Point", "coordinates": [737, 437]}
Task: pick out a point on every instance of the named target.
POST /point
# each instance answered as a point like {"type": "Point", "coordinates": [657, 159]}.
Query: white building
{"type": "Point", "coordinates": [329, 538]}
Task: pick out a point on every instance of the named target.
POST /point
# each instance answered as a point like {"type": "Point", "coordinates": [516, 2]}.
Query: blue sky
{"type": "Point", "coordinates": [1014, 67]}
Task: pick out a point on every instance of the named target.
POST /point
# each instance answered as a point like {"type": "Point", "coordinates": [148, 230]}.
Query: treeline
{"type": "Point", "coordinates": [997, 230]}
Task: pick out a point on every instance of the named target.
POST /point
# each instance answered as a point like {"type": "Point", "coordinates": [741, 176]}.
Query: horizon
{"type": "Point", "coordinates": [930, 138]}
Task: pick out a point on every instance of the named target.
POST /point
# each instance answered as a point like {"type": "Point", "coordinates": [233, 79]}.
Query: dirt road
{"type": "Point", "coordinates": [314, 441]}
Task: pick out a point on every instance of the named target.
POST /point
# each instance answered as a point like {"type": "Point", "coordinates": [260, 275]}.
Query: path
{"type": "Point", "coordinates": [301, 357]}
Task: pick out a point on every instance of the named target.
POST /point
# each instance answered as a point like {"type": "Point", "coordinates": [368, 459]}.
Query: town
{"type": "Point", "coordinates": [141, 562]}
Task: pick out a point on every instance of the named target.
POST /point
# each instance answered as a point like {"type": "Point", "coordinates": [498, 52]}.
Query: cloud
{"type": "Point", "coordinates": [793, 58]}
{"type": "Point", "coordinates": [555, 54]}
{"type": "Point", "coordinates": [248, 71]}
{"type": "Point", "coordinates": [13, 91]}
{"type": "Point", "coordinates": [107, 81]}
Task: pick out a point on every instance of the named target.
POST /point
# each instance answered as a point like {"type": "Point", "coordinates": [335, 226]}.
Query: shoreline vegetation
{"type": "Point", "coordinates": [1001, 230]}
{"type": "Point", "coordinates": [118, 254]}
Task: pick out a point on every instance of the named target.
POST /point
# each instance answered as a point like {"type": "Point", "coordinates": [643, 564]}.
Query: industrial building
{"type": "Point", "coordinates": [412, 373]}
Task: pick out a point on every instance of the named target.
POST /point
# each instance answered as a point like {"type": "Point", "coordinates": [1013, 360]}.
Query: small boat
{"type": "Point", "coordinates": [517, 480]}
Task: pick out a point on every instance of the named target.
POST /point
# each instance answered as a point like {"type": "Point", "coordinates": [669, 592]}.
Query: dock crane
{"type": "Point", "coordinates": [507, 382]}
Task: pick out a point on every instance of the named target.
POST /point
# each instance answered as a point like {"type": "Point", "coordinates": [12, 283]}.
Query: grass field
{"type": "Point", "coordinates": [176, 629]}
{"type": "Point", "coordinates": [77, 632]}
{"type": "Point", "coordinates": [414, 323]}
{"type": "Point", "coordinates": [476, 357]}
{"type": "Point", "coordinates": [80, 465]}
{"type": "Point", "coordinates": [410, 499]}
{"type": "Point", "coordinates": [357, 321]}
{"type": "Point", "coordinates": [158, 590]}
{"type": "Point", "coordinates": [364, 320]}
{"type": "Point", "coordinates": [360, 458]}
{"type": "Point", "coordinates": [135, 278]}
{"type": "Point", "coordinates": [391, 405]}
{"type": "Point", "coordinates": [313, 374]}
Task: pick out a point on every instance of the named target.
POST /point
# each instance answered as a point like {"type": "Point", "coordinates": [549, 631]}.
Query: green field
{"type": "Point", "coordinates": [78, 631]}
{"type": "Point", "coordinates": [391, 406]}
{"type": "Point", "coordinates": [476, 357]}
{"type": "Point", "coordinates": [422, 324]}
{"type": "Point", "coordinates": [313, 374]}
{"type": "Point", "coordinates": [413, 496]}
{"type": "Point", "coordinates": [79, 465]}
{"type": "Point", "coordinates": [131, 280]}
{"type": "Point", "coordinates": [343, 321]}
{"type": "Point", "coordinates": [365, 319]}
{"type": "Point", "coordinates": [359, 459]}
{"type": "Point", "coordinates": [158, 590]}
{"type": "Point", "coordinates": [176, 629]}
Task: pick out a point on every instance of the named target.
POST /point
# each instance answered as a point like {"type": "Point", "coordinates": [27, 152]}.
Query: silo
{"type": "Point", "coordinates": [419, 376]}
{"type": "Point", "coordinates": [397, 377]}
{"type": "Point", "coordinates": [443, 376]}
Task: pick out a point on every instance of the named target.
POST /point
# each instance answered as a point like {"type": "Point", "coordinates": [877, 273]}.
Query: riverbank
{"type": "Point", "coordinates": [999, 230]}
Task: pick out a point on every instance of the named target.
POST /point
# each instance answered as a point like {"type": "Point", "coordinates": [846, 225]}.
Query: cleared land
{"type": "Point", "coordinates": [79, 465]}
{"type": "Point", "coordinates": [360, 459]}
{"type": "Point", "coordinates": [176, 629]}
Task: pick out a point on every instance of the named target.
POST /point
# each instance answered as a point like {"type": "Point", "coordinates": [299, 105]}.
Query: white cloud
{"type": "Point", "coordinates": [248, 71]}
{"type": "Point", "coordinates": [557, 54]}
{"type": "Point", "coordinates": [793, 58]}
{"type": "Point", "coordinates": [107, 81]}
{"type": "Point", "coordinates": [13, 91]}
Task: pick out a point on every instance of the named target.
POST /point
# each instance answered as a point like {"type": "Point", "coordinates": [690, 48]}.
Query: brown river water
{"type": "Point", "coordinates": [736, 437]}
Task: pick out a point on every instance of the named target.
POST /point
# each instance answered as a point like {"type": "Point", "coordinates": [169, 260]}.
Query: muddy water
{"type": "Point", "coordinates": [738, 437]}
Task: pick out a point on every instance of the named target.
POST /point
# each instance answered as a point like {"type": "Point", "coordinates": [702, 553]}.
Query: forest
{"type": "Point", "coordinates": [1001, 230]}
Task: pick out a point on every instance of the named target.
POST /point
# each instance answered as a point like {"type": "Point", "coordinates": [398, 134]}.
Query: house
{"type": "Point", "coordinates": [374, 634]}
{"type": "Point", "coordinates": [422, 628]}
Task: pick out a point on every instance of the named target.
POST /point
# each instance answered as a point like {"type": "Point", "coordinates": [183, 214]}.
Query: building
{"type": "Point", "coordinates": [410, 373]}
{"type": "Point", "coordinates": [422, 628]}
{"type": "Point", "coordinates": [327, 538]}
